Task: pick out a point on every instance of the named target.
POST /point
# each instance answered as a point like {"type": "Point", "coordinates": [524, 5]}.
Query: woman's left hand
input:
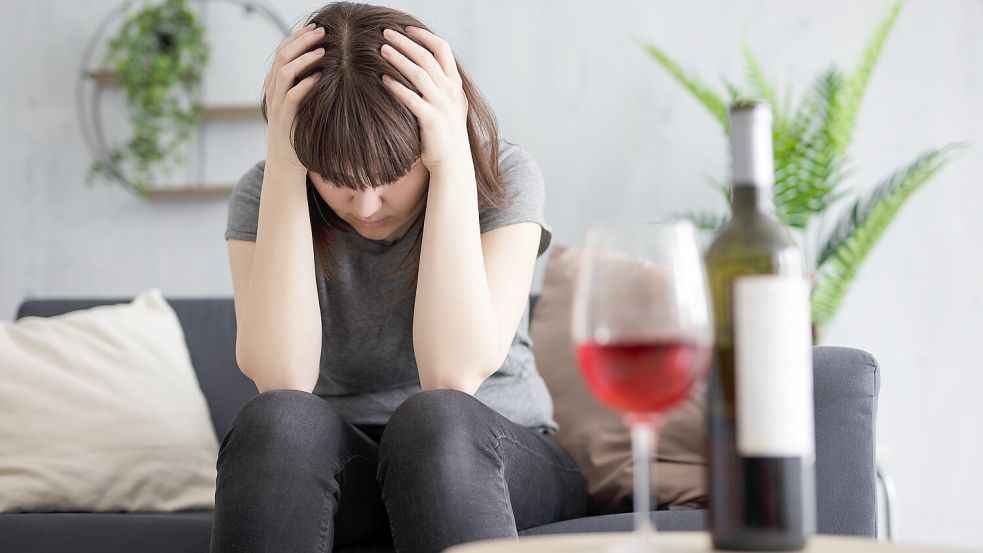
{"type": "Point", "coordinates": [442, 110]}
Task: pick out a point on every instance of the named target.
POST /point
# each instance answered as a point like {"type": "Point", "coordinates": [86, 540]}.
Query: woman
{"type": "Point", "coordinates": [382, 257]}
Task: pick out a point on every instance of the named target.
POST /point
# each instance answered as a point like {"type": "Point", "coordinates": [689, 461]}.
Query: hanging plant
{"type": "Point", "coordinates": [158, 57]}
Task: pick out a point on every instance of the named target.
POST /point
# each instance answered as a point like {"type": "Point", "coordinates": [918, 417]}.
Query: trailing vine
{"type": "Point", "coordinates": [158, 57]}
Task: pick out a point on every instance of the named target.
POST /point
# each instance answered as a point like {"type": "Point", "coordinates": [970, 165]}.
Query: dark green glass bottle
{"type": "Point", "coordinates": [760, 420]}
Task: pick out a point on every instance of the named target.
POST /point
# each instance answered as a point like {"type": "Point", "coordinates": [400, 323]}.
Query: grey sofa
{"type": "Point", "coordinates": [846, 388]}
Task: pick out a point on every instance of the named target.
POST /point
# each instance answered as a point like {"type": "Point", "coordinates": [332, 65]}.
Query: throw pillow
{"type": "Point", "coordinates": [594, 435]}
{"type": "Point", "coordinates": [100, 410]}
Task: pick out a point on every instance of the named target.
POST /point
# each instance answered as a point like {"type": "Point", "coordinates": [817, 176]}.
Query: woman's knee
{"type": "Point", "coordinates": [434, 413]}
{"type": "Point", "coordinates": [281, 425]}
{"type": "Point", "coordinates": [434, 426]}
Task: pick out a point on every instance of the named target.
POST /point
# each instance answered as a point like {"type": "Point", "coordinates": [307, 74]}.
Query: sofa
{"type": "Point", "coordinates": [847, 382]}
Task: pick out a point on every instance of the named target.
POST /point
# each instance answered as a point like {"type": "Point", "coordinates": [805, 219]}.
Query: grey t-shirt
{"type": "Point", "coordinates": [367, 363]}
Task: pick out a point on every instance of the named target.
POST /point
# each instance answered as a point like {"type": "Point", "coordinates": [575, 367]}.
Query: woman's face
{"type": "Point", "coordinates": [383, 213]}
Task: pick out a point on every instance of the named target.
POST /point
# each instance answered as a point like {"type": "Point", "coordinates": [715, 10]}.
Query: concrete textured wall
{"type": "Point", "coordinates": [616, 137]}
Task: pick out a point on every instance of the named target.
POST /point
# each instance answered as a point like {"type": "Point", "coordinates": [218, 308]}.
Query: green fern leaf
{"type": "Point", "coordinates": [712, 222]}
{"type": "Point", "coordinates": [807, 169]}
{"type": "Point", "coordinates": [862, 225]}
{"type": "Point", "coordinates": [762, 88]}
{"type": "Point", "coordinates": [715, 104]}
{"type": "Point", "coordinates": [724, 188]}
{"type": "Point", "coordinates": [736, 96]}
{"type": "Point", "coordinates": [844, 111]}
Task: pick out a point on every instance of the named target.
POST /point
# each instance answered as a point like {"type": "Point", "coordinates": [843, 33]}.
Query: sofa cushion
{"type": "Point", "coordinates": [209, 325]}
{"type": "Point", "coordinates": [665, 521]}
{"type": "Point", "coordinates": [179, 532]}
{"type": "Point", "coordinates": [100, 410]}
{"type": "Point", "coordinates": [190, 531]}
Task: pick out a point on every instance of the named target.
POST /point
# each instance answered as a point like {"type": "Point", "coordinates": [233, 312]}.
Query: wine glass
{"type": "Point", "coordinates": [643, 334]}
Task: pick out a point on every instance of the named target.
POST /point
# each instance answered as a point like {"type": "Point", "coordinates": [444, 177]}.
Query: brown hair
{"type": "Point", "coordinates": [352, 131]}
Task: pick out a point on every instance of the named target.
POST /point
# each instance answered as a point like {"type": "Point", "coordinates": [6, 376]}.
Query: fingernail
{"type": "Point", "coordinates": [309, 26]}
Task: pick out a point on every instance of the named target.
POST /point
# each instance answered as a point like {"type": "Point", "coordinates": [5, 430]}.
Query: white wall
{"type": "Point", "coordinates": [615, 137]}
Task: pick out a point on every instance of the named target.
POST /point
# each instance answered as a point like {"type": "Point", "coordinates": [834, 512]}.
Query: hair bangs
{"type": "Point", "coordinates": [354, 133]}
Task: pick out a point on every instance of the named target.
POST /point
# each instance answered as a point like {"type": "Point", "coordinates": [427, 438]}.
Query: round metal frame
{"type": "Point", "coordinates": [89, 110]}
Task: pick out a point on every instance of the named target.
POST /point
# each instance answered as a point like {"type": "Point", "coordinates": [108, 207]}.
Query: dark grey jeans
{"type": "Point", "coordinates": [293, 475]}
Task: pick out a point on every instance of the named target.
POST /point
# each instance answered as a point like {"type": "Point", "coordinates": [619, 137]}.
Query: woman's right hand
{"type": "Point", "coordinates": [283, 96]}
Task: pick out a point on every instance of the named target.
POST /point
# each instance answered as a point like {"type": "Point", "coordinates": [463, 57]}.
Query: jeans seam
{"type": "Point", "coordinates": [539, 455]}
{"type": "Point", "coordinates": [574, 470]}
{"type": "Point", "coordinates": [327, 501]}
{"type": "Point", "coordinates": [389, 515]}
{"type": "Point", "coordinates": [504, 481]}
{"type": "Point", "coordinates": [324, 522]}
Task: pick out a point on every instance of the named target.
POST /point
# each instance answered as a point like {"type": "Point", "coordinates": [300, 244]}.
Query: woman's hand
{"type": "Point", "coordinates": [442, 110]}
{"type": "Point", "coordinates": [283, 96]}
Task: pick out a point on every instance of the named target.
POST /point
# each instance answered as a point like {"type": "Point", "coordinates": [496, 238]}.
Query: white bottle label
{"type": "Point", "coordinates": [773, 365]}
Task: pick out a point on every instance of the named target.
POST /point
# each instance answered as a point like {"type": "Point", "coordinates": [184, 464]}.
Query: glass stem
{"type": "Point", "coordinates": [644, 435]}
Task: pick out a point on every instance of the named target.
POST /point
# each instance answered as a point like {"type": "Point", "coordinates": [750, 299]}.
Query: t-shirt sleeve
{"type": "Point", "coordinates": [525, 193]}
{"type": "Point", "coordinates": [244, 205]}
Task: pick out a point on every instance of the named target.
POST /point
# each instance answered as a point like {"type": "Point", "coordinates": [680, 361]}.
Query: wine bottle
{"type": "Point", "coordinates": [760, 427]}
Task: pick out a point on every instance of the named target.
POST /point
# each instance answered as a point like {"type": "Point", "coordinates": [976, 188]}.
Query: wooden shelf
{"type": "Point", "coordinates": [102, 76]}
{"type": "Point", "coordinates": [231, 111]}
{"type": "Point", "coordinates": [191, 191]}
{"type": "Point", "coordinates": [106, 77]}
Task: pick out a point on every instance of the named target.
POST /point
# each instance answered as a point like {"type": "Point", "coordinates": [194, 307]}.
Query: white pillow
{"type": "Point", "coordinates": [100, 410]}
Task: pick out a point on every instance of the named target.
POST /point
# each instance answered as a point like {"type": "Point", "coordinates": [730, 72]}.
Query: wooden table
{"type": "Point", "coordinates": [670, 542]}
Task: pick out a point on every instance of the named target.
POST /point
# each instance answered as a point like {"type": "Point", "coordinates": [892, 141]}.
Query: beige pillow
{"type": "Point", "coordinates": [594, 435]}
{"type": "Point", "coordinates": [100, 410]}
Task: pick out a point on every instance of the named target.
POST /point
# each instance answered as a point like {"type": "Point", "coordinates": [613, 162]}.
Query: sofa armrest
{"type": "Point", "coordinates": [847, 382]}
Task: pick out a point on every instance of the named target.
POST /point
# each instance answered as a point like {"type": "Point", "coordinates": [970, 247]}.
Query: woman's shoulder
{"type": "Point", "coordinates": [252, 180]}
{"type": "Point", "coordinates": [514, 159]}
{"type": "Point", "coordinates": [244, 204]}
{"type": "Point", "coordinates": [524, 189]}
{"type": "Point", "coordinates": [519, 172]}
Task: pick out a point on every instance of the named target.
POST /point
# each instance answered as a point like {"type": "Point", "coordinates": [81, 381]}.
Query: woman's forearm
{"type": "Point", "coordinates": [278, 342]}
{"type": "Point", "coordinates": [455, 334]}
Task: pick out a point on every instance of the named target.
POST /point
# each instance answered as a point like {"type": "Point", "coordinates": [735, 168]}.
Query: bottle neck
{"type": "Point", "coordinates": [750, 200]}
{"type": "Point", "coordinates": [752, 162]}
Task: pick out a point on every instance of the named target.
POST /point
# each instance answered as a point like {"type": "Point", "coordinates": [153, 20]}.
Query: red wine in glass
{"type": "Point", "coordinates": [642, 377]}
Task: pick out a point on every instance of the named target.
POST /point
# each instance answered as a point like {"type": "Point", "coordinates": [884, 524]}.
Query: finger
{"type": "Point", "coordinates": [287, 40]}
{"type": "Point", "coordinates": [299, 91]}
{"type": "Point", "coordinates": [293, 36]}
{"type": "Point", "coordinates": [285, 77]}
{"type": "Point", "coordinates": [440, 48]}
{"type": "Point", "coordinates": [412, 100]}
{"type": "Point", "coordinates": [302, 44]}
{"type": "Point", "coordinates": [289, 51]}
{"type": "Point", "coordinates": [413, 72]}
{"type": "Point", "coordinates": [418, 54]}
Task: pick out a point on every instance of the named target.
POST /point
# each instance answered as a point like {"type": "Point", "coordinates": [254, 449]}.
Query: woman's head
{"type": "Point", "coordinates": [359, 143]}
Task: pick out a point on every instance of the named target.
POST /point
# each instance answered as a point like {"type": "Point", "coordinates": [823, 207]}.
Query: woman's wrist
{"type": "Point", "coordinates": [457, 163]}
{"type": "Point", "coordinates": [285, 173]}
{"type": "Point", "coordinates": [284, 165]}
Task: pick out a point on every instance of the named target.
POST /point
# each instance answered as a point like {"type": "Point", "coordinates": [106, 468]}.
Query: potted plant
{"type": "Point", "coordinates": [157, 57]}
{"type": "Point", "coordinates": [811, 145]}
